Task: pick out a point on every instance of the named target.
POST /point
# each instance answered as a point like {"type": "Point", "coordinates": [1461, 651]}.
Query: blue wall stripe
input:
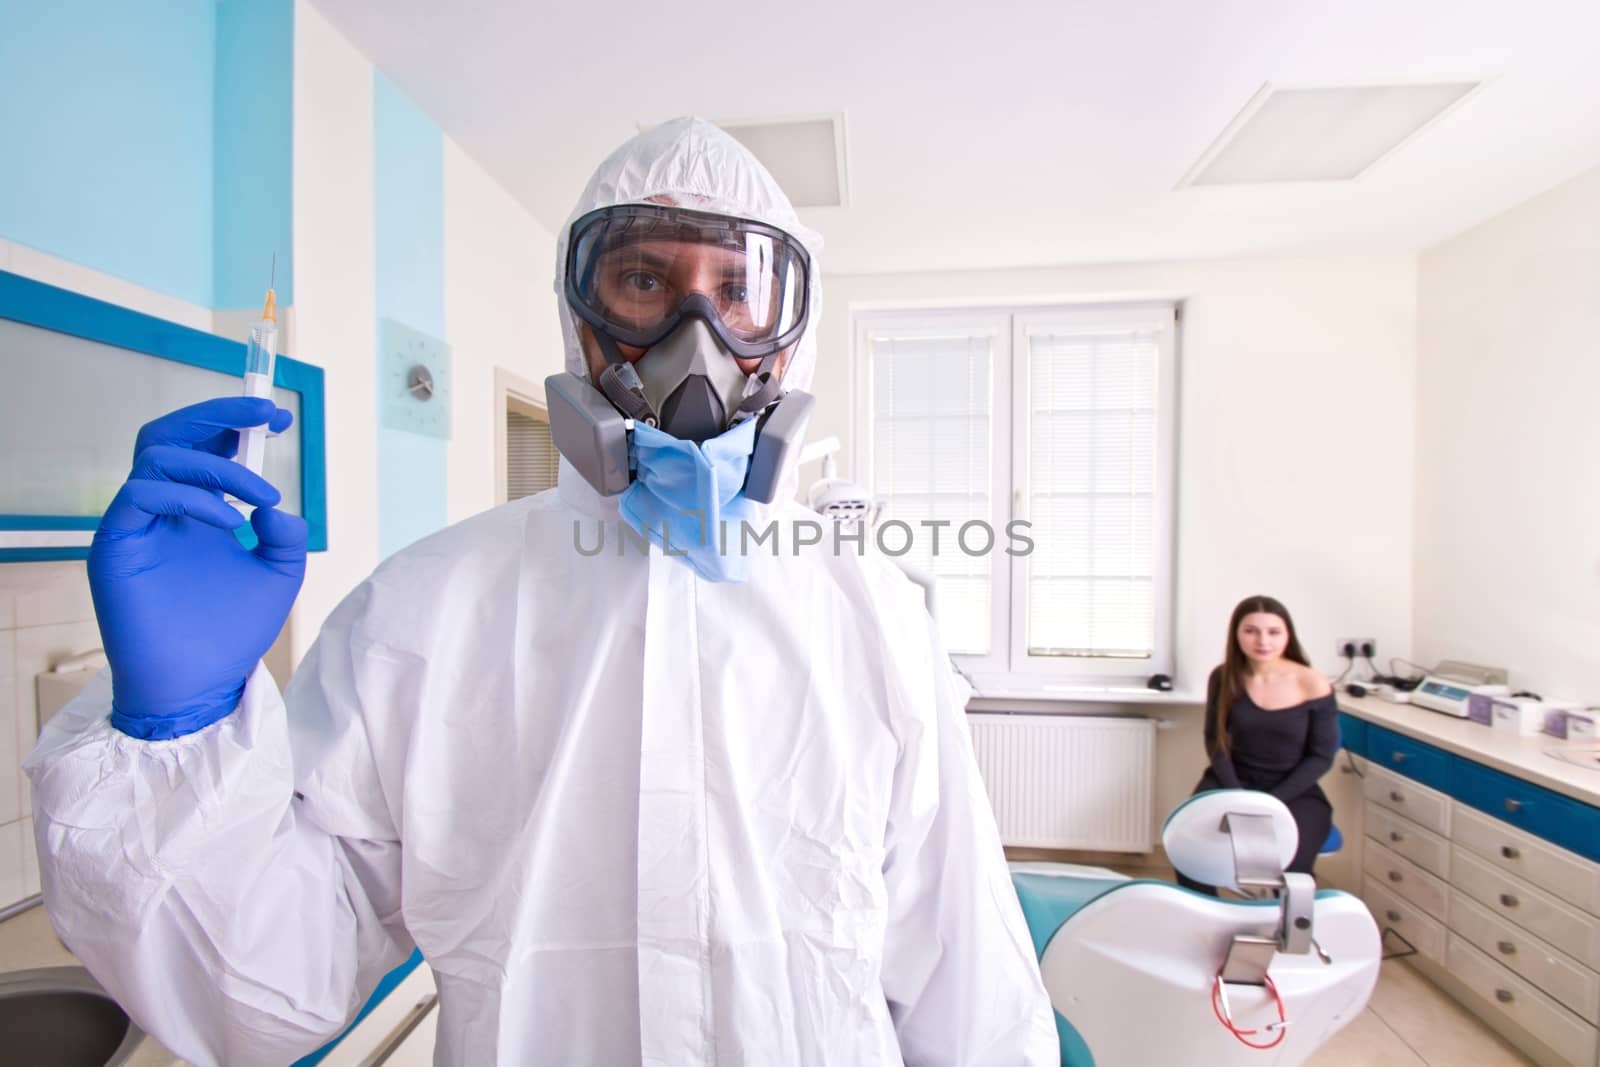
{"type": "Point", "coordinates": [254, 139]}
{"type": "Point", "coordinates": [91, 93]}
{"type": "Point", "coordinates": [408, 198]}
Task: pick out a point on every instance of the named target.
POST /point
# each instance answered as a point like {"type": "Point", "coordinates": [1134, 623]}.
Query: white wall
{"type": "Point", "coordinates": [1507, 508]}
{"type": "Point", "coordinates": [335, 323]}
{"type": "Point", "coordinates": [500, 310]}
{"type": "Point", "coordinates": [1296, 430]}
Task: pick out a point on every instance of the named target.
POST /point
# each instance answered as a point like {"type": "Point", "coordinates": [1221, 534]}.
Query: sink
{"type": "Point", "coordinates": [61, 1016]}
{"type": "Point", "coordinates": [1581, 754]}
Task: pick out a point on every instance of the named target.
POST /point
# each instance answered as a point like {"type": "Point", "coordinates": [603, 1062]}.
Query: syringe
{"type": "Point", "coordinates": [258, 357]}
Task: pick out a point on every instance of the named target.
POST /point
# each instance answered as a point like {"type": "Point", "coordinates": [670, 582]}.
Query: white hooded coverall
{"type": "Point", "coordinates": [629, 816]}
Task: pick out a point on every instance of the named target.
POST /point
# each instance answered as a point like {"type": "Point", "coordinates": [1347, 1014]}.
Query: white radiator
{"type": "Point", "coordinates": [1068, 781]}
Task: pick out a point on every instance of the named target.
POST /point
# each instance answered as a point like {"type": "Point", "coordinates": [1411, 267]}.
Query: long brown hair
{"type": "Point", "coordinates": [1234, 660]}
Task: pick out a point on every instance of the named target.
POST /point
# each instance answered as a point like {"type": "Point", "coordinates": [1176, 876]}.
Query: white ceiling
{"type": "Point", "coordinates": [1027, 134]}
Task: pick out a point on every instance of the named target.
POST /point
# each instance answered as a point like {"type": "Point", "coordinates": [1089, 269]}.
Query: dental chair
{"type": "Point", "coordinates": [1145, 973]}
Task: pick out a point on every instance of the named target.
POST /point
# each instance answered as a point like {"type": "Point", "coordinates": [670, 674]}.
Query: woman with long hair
{"type": "Point", "coordinates": [1271, 723]}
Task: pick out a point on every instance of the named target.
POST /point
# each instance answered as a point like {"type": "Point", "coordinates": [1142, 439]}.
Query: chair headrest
{"type": "Point", "coordinates": [1200, 848]}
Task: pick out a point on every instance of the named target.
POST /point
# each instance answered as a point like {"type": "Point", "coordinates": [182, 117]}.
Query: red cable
{"type": "Point", "coordinates": [1216, 1009]}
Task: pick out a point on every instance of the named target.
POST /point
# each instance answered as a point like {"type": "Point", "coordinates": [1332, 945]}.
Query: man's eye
{"type": "Point", "coordinates": [736, 294]}
{"type": "Point", "coordinates": [641, 282]}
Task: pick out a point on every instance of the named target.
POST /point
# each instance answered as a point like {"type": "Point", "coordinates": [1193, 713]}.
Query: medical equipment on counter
{"type": "Point", "coordinates": [1448, 687]}
{"type": "Point", "coordinates": [259, 354]}
{"type": "Point", "coordinates": [1524, 716]}
{"type": "Point", "coordinates": [1574, 724]}
{"type": "Point", "coordinates": [1226, 978]}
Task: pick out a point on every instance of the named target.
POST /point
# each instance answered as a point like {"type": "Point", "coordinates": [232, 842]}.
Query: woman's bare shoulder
{"type": "Point", "coordinates": [1314, 684]}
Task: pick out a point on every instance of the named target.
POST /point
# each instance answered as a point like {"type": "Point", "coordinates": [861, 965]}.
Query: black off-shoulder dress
{"type": "Point", "coordinates": [1282, 752]}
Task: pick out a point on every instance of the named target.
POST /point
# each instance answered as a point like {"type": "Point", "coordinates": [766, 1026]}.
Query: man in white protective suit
{"type": "Point", "coordinates": [664, 804]}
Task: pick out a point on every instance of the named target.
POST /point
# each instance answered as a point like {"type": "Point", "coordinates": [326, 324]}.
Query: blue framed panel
{"type": "Point", "coordinates": [60, 311]}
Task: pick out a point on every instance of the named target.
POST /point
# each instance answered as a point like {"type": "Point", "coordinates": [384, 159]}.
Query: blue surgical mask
{"type": "Point", "coordinates": [684, 495]}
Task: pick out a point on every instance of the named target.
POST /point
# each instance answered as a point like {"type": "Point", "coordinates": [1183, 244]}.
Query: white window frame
{"type": "Point", "coordinates": [1008, 668]}
{"type": "Point", "coordinates": [934, 323]}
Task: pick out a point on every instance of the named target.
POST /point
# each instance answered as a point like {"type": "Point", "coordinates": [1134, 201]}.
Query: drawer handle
{"type": "Point", "coordinates": [1394, 835]}
{"type": "Point", "coordinates": [1506, 948]}
{"type": "Point", "coordinates": [1395, 876]}
{"type": "Point", "coordinates": [1513, 805]}
{"type": "Point", "coordinates": [1504, 996]}
{"type": "Point", "coordinates": [1510, 853]}
{"type": "Point", "coordinates": [1508, 900]}
{"type": "Point", "coordinates": [1395, 796]}
{"type": "Point", "coordinates": [1392, 915]}
{"type": "Point", "coordinates": [1400, 757]}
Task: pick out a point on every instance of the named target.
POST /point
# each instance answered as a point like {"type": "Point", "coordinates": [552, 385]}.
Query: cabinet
{"type": "Point", "coordinates": [1494, 882]}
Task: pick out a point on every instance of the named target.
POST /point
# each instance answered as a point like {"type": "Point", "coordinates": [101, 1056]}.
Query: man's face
{"type": "Point", "coordinates": [644, 282]}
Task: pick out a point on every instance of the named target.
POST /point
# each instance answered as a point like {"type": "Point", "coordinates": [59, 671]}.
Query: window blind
{"type": "Point", "coordinates": [1092, 441]}
{"type": "Point", "coordinates": [531, 457]}
{"type": "Point", "coordinates": [931, 427]}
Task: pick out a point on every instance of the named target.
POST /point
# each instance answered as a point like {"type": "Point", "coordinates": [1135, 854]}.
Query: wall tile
{"type": "Point", "coordinates": [38, 649]}
{"type": "Point", "coordinates": [30, 860]}
{"type": "Point", "coordinates": [11, 875]}
{"type": "Point", "coordinates": [57, 593]}
{"type": "Point", "coordinates": [10, 730]}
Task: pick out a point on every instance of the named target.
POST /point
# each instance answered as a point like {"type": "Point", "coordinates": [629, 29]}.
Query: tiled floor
{"type": "Point", "coordinates": [1410, 1022]}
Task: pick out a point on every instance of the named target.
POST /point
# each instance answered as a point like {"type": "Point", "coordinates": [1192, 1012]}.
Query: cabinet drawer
{"type": "Point", "coordinates": [1415, 760]}
{"type": "Point", "coordinates": [1566, 874]}
{"type": "Point", "coordinates": [1400, 875]}
{"type": "Point", "coordinates": [1423, 847]}
{"type": "Point", "coordinates": [1532, 909]}
{"type": "Point", "coordinates": [1558, 819]}
{"type": "Point", "coordinates": [1353, 733]}
{"type": "Point", "coordinates": [1393, 912]}
{"type": "Point", "coordinates": [1426, 807]}
{"type": "Point", "coordinates": [1552, 971]}
{"type": "Point", "coordinates": [1572, 1040]}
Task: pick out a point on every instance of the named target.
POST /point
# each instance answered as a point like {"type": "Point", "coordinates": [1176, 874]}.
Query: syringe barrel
{"type": "Point", "coordinates": [261, 348]}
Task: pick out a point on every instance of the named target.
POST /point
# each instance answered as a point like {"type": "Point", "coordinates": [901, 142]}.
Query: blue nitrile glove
{"type": "Point", "coordinates": [185, 611]}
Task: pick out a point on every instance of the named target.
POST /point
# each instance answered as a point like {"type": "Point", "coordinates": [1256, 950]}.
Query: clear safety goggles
{"type": "Point", "coordinates": [634, 271]}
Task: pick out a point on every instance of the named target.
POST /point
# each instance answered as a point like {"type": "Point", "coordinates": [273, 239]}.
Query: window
{"type": "Point", "coordinates": [1030, 455]}
{"type": "Point", "coordinates": [526, 460]}
{"type": "Point", "coordinates": [531, 457]}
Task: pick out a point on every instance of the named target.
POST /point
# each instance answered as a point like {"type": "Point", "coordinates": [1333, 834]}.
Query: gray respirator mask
{"type": "Point", "coordinates": [694, 290]}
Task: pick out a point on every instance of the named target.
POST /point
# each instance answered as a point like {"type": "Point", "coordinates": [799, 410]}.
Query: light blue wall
{"type": "Point", "coordinates": [254, 119]}
{"type": "Point", "coordinates": [408, 194]}
{"type": "Point", "coordinates": [106, 135]}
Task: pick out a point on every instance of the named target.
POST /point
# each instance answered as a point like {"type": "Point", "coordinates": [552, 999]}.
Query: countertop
{"type": "Point", "coordinates": [1523, 757]}
{"type": "Point", "coordinates": [26, 942]}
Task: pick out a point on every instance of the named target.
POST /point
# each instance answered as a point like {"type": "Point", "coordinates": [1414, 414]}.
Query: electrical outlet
{"type": "Point", "coordinates": [1357, 647]}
